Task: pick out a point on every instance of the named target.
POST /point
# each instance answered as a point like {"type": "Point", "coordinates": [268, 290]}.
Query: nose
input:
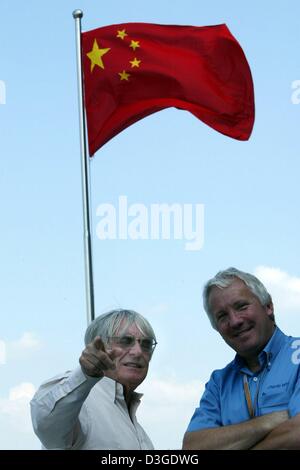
{"type": "Point", "coordinates": [235, 320]}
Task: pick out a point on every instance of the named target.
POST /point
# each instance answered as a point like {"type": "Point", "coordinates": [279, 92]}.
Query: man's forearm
{"type": "Point", "coordinates": [240, 436]}
{"type": "Point", "coordinates": [285, 436]}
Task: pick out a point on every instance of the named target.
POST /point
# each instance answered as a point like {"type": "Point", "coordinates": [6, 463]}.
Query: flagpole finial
{"type": "Point", "coordinates": [77, 14]}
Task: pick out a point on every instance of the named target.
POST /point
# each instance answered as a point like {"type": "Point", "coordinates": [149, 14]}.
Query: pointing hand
{"type": "Point", "coordinates": [95, 359]}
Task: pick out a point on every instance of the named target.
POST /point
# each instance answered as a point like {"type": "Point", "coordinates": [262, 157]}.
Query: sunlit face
{"type": "Point", "coordinates": [240, 318]}
{"type": "Point", "coordinates": [131, 363]}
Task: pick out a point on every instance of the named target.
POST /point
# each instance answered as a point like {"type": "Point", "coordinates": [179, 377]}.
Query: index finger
{"type": "Point", "coordinates": [98, 343]}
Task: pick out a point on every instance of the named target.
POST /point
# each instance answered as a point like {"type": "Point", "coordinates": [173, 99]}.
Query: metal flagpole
{"type": "Point", "coordinates": [89, 283]}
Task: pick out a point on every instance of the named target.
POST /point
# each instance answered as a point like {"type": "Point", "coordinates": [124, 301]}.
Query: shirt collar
{"type": "Point", "coordinates": [275, 343]}
{"type": "Point", "coordinates": [268, 353]}
{"type": "Point", "coordinates": [116, 392]}
{"type": "Point", "coordinates": [119, 393]}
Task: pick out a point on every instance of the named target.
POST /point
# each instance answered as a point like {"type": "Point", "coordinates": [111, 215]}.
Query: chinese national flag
{"type": "Point", "coordinates": [136, 69]}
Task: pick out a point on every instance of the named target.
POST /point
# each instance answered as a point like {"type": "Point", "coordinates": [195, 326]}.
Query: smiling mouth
{"type": "Point", "coordinates": [134, 365]}
{"type": "Point", "coordinates": [241, 333]}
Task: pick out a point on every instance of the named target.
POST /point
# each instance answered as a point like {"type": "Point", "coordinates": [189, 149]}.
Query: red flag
{"type": "Point", "coordinates": [136, 69]}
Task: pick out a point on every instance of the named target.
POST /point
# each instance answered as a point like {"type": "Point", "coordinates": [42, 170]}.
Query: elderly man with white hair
{"type": "Point", "coordinates": [94, 406]}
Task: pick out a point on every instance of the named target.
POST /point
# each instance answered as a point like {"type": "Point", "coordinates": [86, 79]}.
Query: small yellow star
{"type": "Point", "coordinates": [95, 55]}
{"type": "Point", "coordinates": [134, 44]}
{"type": "Point", "coordinates": [135, 62]}
{"type": "Point", "coordinates": [124, 75]}
{"type": "Point", "coordinates": [121, 34]}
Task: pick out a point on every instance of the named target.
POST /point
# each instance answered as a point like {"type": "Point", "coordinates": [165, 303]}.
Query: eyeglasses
{"type": "Point", "coordinates": [126, 342]}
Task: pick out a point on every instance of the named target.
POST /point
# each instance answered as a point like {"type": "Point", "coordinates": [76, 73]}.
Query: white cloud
{"type": "Point", "coordinates": [167, 408]}
{"type": "Point", "coordinates": [15, 406]}
{"type": "Point", "coordinates": [28, 341]}
{"type": "Point", "coordinates": [15, 422]}
{"type": "Point", "coordinates": [284, 288]}
{"type": "Point", "coordinates": [27, 344]}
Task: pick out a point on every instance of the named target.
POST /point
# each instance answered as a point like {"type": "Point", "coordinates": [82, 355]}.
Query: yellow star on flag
{"type": "Point", "coordinates": [134, 44]}
{"type": "Point", "coordinates": [135, 62]}
{"type": "Point", "coordinates": [121, 34]}
{"type": "Point", "coordinates": [95, 55]}
{"type": "Point", "coordinates": [124, 75]}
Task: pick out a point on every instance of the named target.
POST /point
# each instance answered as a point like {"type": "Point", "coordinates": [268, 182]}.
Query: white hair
{"type": "Point", "coordinates": [108, 324]}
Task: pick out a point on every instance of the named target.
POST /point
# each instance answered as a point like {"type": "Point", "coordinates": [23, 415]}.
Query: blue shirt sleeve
{"type": "Point", "coordinates": [208, 415]}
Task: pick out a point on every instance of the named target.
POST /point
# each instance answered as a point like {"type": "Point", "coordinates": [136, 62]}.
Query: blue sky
{"type": "Point", "coordinates": [250, 192]}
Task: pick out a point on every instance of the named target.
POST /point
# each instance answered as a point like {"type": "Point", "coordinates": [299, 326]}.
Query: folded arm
{"type": "Point", "coordinates": [285, 436]}
{"type": "Point", "coordinates": [240, 436]}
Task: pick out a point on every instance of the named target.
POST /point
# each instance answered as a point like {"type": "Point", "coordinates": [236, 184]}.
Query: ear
{"type": "Point", "coordinates": [270, 309]}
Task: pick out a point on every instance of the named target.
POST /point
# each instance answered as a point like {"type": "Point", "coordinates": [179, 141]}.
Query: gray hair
{"type": "Point", "coordinates": [108, 324]}
{"type": "Point", "coordinates": [226, 278]}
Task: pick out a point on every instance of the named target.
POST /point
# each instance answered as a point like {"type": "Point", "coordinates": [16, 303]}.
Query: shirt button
{"type": "Point", "coordinates": [255, 379]}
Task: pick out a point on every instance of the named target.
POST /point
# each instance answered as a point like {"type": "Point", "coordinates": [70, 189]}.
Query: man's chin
{"type": "Point", "coordinates": [134, 372]}
{"type": "Point", "coordinates": [243, 346]}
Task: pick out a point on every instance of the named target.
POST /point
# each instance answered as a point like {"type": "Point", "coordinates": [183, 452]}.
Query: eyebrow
{"type": "Point", "coordinates": [235, 304]}
{"type": "Point", "coordinates": [239, 302]}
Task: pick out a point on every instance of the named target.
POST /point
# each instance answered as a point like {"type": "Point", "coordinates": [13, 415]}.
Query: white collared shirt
{"type": "Point", "coordinates": [73, 411]}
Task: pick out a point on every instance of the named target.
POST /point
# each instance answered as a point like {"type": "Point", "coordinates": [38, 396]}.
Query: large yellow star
{"type": "Point", "coordinates": [134, 44]}
{"type": "Point", "coordinates": [124, 75]}
{"type": "Point", "coordinates": [95, 55]}
{"type": "Point", "coordinates": [121, 34]}
{"type": "Point", "coordinates": [135, 62]}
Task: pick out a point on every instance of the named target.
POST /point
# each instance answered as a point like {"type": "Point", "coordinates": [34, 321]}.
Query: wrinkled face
{"type": "Point", "coordinates": [131, 362]}
{"type": "Point", "coordinates": [240, 318]}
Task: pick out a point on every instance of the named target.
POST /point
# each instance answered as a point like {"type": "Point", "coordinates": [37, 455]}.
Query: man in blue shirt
{"type": "Point", "coordinates": [254, 402]}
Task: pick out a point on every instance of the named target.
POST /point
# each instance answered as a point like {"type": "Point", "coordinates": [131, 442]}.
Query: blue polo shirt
{"type": "Point", "coordinates": [275, 387]}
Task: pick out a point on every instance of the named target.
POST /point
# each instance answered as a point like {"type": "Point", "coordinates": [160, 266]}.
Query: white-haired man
{"type": "Point", "coordinates": [94, 406]}
{"type": "Point", "coordinates": [254, 402]}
